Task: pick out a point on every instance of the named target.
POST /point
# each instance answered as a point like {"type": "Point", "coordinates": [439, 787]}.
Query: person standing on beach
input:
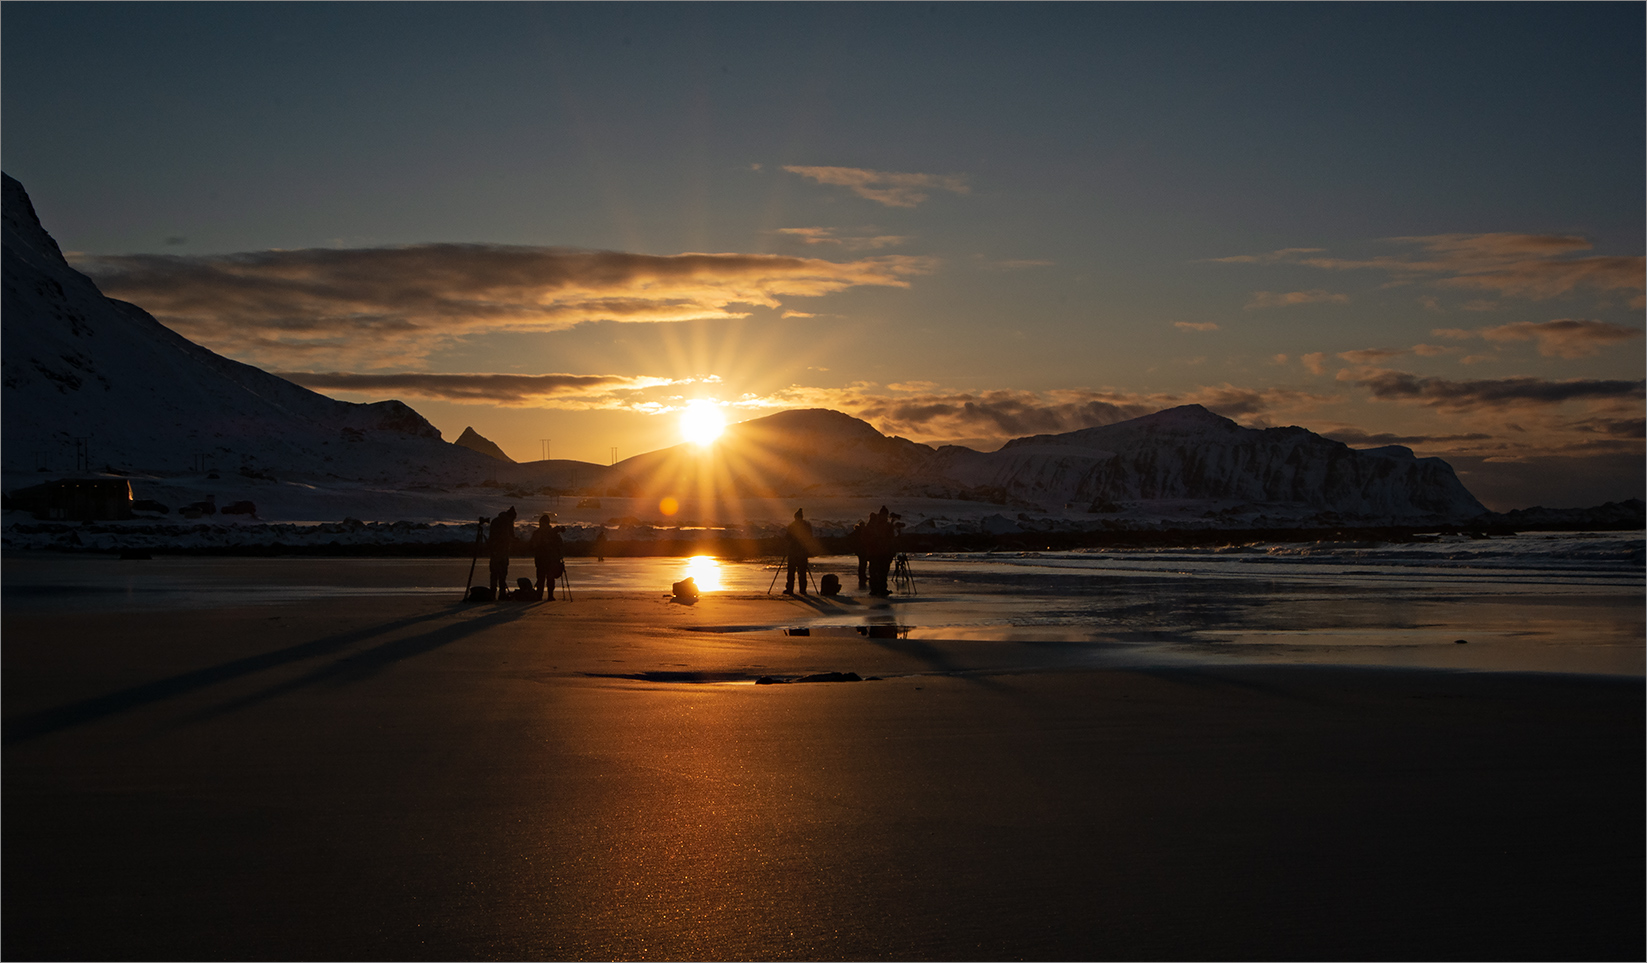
{"type": "Point", "coordinates": [498, 544]}
{"type": "Point", "coordinates": [798, 549]}
{"type": "Point", "coordinates": [549, 555]}
{"type": "Point", "coordinates": [878, 545]}
{"type": "Point", "coordinates": [863, 555]}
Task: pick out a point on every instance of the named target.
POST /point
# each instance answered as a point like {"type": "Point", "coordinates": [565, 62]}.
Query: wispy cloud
{"type": "Point", "coordinates": [1561, 338]}
{"type": "Point", "coordinates": [1564, 337]}
{"type": "Point", "coordinates": [1196, 325]}
{"type": "Point", "coordinates": [1631, 428]}
{"type": "Point", "coordinates": [891, 188]}
{"type": "Point", "coordinates": [1388, 385]}
{"type": "Point", "coordinates": [392, 306]}
{"type": "Point", "coordinates": [1370, 355]}
{"type": "Point", "coordinates": [1530, 266]}
{"type": "Point", "coordinates": [507, 390]}
{"type": "Point", "coordinates": [1289, 299]}
{"type": "Point", "coordinates": [848, 242]}
{"type": "Point", "coordinates": [1355, 436]}
{"type": "Point", "coordinates": [1285, 254]}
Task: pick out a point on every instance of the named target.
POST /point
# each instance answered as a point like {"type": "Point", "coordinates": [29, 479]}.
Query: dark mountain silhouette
{"type": "Point", "coordinates": [475, 441]}
{"type": "Point", "coordinates": [790, 452]}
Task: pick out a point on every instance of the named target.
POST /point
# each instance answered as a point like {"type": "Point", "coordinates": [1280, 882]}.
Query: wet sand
{"type": "Point", "coordinates": [410, 778]}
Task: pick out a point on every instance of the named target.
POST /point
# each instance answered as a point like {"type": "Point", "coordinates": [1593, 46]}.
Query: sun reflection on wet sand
{"type": "Point", "coordinates": [706, 571]}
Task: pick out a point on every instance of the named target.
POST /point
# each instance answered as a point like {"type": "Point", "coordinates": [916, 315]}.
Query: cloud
{"type": "Point", "coordinates": [1285, 254]}
{"type": "Point", "coordinates": [393, 305]}
{"type": "Point", "coordinates": [1388, 385]}
{"type": "Point", "coordinates": [1267, 299]}
{"type": "Point", "coordinates": [1315, 362]}
{"type": "Point", "coordinates": [1632, 428]}
{"type": "Point", "coordinates": [1196, 325]}
{"type": "Point", "coordinates": [884, 187]}
{"type": "Point", "coordinates": [493, 389]}
{"type": "Point", "coordinates": [828, 236]}
{"type": "Point", "coordinates": [1355, 436]}
{"type": "Point", "coordinates": [1370, 355]}
{"type": "Point", "coordinates": [986, 418]}
{"type": "Point", "coordinates": [1530, 266]}
{"type": "Point", "coordinates": [1564, 337]}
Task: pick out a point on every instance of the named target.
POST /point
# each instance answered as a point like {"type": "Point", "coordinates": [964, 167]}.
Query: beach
{"type": "Point", "coordinates": [195, 770]}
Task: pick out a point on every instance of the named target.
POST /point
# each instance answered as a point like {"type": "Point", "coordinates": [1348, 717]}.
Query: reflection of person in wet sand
{"type": "Point", "coordinates": [798, 549]}
{"type": "Point", "coordinates": [548, 554]}
{"type": "Point", "coordinates": [498, 543]}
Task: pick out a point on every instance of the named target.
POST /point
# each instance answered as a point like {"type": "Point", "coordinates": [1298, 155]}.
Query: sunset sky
{"type": "Point", "coordinates": [1409, 224]}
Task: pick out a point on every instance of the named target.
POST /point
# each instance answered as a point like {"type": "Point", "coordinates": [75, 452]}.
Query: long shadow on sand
{"type": "Point", "coordinates": [359, 666]}
{"type": "Point", "coordinates": [32, 725]}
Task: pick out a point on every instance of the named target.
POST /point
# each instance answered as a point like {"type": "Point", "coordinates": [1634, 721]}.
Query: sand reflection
{"type": "Point", "coordinates": [706, 571]}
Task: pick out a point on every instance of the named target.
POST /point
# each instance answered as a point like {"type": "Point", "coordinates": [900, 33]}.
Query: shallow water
{"type": "Point", "coordinates": [1540, 602]}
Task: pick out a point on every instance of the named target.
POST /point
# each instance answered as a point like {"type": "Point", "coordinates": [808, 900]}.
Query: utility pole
{"type": "Point", "coordinates": [545, 448]}
{"type": "Point", "coordinates": [614, 460]}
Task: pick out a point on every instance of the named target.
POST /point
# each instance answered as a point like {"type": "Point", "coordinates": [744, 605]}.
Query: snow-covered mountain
{"type": "Point", "coordinates": [94, 380]}
{"type": "Point", "coordinates": [1180, 460]}
{"type": "Point", "coordinates": [1189, 453]}
{"type": "Point", "coordinates": [93, 384]}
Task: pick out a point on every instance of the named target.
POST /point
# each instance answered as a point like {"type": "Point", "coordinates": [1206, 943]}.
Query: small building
{"type": "Point", "coordinates": [76, 499]}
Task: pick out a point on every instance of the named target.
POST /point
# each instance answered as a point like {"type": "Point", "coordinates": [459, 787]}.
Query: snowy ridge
{"type": "Point", "coordinates": [78, 365]}
{"type": "Point", "coordinates": [1191, 453]}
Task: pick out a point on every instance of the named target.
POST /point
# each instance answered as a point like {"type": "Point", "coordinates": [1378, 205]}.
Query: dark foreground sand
{"type": "Point", "coordinates": [384, 779]}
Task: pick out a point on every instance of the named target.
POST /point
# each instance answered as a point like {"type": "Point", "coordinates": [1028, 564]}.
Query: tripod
{"type": "Point", "coordinates": [782, 565]}
{"type": "Point", "coordinates": [902, 577]}
{"type": "Point", "coordinates": [480, 536]}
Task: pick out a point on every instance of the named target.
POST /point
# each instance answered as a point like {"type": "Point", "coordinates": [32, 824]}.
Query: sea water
{"type": "Point", "coordinates": [1532, 602]}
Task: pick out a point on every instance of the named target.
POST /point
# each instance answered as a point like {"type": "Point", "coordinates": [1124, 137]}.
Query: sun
{"type": "Point", "coordinates": [702, 422]}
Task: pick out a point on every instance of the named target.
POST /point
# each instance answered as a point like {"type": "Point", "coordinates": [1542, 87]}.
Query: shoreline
{"type": "Point", "coordinates": [386, 540]}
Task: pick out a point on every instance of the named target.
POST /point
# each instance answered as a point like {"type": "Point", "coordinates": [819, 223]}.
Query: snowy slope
{"type": "Point", "coordinates": [1191, 453]}
{"type": "Point", "coordinates": [78, 365]}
